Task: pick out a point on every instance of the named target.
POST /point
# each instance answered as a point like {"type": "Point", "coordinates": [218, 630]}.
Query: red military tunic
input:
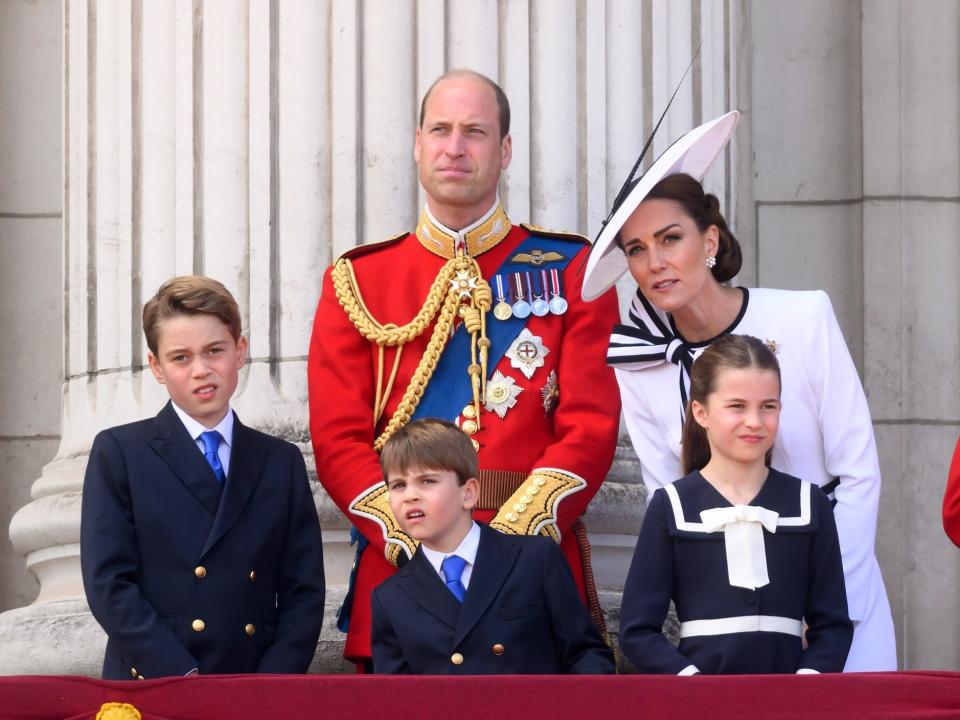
{"type": "Point", "coordinates": [564, 422]}
{"type": "Point", "coordinates": [951, 499]}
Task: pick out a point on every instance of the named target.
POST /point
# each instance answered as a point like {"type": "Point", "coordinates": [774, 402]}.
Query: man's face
{"type": "Point", "coordinates": [198, 360]}
{"type": "Point", "coordinates": [459, 152]}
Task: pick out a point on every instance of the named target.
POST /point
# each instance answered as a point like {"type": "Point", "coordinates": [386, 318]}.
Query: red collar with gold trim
{"type": "Point", "coordinates": [483, 235]}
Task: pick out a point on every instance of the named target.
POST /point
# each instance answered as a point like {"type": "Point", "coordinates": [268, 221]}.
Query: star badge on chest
{"type": "Point", "coordinates": [463, 284]}
{"type": "Point", "coordinates": [550, 393]}
{"type": "Point", "coordinates": [527, 353]}
{"type": "Point", "coordinates": [502, 394]}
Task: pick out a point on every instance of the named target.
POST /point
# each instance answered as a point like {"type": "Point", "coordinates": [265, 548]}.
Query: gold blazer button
{"type": "Point", "coordinates": [200, 571]}
{"type": "Point", "coordinates": [198, 625]}
{"type": "Point", "coordinates": [456, 659]}
{"type": "Point", "coordinates": [249, 629]}
{"type": "Point", "coordinates": [498, 649]}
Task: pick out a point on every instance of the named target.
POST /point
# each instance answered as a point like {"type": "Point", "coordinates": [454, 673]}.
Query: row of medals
{"type": "Point", "coordinates": [519, 287]}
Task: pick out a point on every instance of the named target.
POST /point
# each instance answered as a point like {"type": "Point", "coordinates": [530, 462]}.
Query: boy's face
{"type": "Point", "coordinates": [198, 360]}
{"type": "Point", "coordinates": [432, 507]}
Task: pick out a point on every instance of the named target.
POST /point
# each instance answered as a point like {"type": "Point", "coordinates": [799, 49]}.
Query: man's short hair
{"type": "Point", "coordinates": [189, 295]}
{"type": "Point", "coordinates": [503, 105]}
{"type": "Point", "coordinates": [430, 444]}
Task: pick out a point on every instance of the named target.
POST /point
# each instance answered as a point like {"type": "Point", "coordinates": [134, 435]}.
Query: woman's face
{"type": "Point", "coordinates": [667, 253]}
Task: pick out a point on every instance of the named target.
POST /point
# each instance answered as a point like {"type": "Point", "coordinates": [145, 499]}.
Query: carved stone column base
{"type": "Point", "coordinates": [51, 638]}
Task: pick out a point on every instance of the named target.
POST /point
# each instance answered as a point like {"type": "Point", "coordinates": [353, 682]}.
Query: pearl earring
{"type": "Point", "coordinates": [711, 261]}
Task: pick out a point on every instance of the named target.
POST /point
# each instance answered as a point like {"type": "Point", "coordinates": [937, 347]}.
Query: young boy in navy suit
{"type": "Point", "coordinates": [199, 539]}
{"type": "Point", "coordinates": [471, 601]}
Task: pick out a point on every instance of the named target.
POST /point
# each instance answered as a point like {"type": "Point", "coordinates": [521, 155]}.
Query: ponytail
{"type": "Point", "coordinates": [695, 447]}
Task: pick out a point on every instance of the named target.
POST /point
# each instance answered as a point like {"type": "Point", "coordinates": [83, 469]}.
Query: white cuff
{"type": "Point", "coordinates": [689, 670]}
{"type": "Point", "coordinates": [807, 671]}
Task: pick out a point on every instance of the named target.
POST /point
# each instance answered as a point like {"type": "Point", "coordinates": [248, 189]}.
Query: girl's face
{"type": "Point", "coordinates": [741, 415]}
{"type": "Point", "coordinates": [667, 253]}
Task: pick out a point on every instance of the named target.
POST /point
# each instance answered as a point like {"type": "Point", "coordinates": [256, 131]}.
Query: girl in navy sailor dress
{"type": "Point", "coordinates": [749, 555]}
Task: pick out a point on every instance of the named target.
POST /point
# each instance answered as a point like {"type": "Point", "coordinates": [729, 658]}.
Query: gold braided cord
{"type": "Point", "coordinates": [348, 293]}
{"type": "Point", "coordinates": [483, 298]}
{"type": "Point", "coordinates": [384, 394]}
{"type": "Point", "coordinates": [448, 294]}
{"type": "Point", "coordinates": [426, 366]}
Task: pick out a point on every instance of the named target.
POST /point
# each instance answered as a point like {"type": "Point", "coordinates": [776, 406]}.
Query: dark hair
{"type": "Point", "coordinates": [704, 209]}
{"type": "Point", "coordinates": [189, 295]}
{"type": "Point", "coordinates": [430, 444]}
{"type": "Point", "coordinates": [503, 105]}
{"type": "Point", "coordinates": [735, 352]}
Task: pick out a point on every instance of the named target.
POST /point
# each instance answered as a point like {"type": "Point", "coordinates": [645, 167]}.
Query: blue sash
{"type": "Point", "coordinates": [449, 390]}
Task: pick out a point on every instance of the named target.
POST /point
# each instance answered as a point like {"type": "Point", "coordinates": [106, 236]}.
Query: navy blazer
{"type": "Point", "coordinates": [521, 615]}
{"type": "Point", "coordinates": [184, 574]}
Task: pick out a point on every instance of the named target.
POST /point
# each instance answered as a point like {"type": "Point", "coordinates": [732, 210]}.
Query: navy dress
{"type": "Point", "coordinates": [727, 629]}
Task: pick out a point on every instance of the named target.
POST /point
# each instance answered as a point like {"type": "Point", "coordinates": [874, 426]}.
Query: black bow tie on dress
{"type": "Point", "coordinates": [648, 341]}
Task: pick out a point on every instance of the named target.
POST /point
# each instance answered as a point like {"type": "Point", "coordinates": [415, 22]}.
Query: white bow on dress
{"type": "Point", "coordinates": [743, 527]}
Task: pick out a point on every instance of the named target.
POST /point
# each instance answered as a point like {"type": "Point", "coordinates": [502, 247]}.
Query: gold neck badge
{"type": "Point", "coordinates": [484, 234]}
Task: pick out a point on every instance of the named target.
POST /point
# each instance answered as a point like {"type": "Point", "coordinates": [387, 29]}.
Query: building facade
{"type": "Point", "coordinates": [255, 141]}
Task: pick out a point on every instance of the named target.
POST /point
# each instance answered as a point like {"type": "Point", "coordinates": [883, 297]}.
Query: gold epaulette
{"type": "Point", "coordinates": [558, 234]}
{"type": "Point", "coordinates": [532, 509]}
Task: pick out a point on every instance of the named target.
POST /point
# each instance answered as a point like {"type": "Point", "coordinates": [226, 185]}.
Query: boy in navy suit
{"type": "Point", "coordinates": [199, 539]}
{"type": "Point", "coordinates": [471, 601]}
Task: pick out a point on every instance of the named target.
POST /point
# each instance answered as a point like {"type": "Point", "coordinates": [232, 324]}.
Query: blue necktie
{"type": "Point", "coordinates": [211, 441]}
{"type": "Point", "coordinates": [452, 567]}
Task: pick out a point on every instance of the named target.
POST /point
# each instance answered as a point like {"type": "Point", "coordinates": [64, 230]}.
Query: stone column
{"type": "Point", "coordinates": [31, 269]}
{"type": "Point", "coordinates": [853, 185]}
{"type": "Point", "coordinates": [254, 142]}
{"type": "Point", "coordinates": [911, 253]}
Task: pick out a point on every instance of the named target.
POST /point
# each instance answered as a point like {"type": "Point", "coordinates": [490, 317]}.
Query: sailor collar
{"type": "Point", "coordinates": [789, 497]}
{"type": "Point", "coordinates": [479, 237]}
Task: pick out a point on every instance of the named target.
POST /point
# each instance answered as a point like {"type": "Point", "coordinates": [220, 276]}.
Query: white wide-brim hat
{"type": "Point", "coordinates": [692, 154]}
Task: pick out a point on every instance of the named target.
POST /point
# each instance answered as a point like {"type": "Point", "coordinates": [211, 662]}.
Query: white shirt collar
{"type": "Point", "coordinates": [194, 428]}
{"type": "Point", "coordinates": [467, 549]}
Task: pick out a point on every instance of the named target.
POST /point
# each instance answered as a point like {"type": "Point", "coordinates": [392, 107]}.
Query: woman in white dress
{"type": "Point", "coordinates": [678, 248]}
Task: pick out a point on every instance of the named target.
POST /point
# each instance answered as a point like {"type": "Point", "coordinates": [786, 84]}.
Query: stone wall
{"type": "Point", "coordinates": [31, 265]}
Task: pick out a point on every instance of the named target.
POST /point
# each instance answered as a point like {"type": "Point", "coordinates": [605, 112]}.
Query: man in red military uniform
{"type": "Point", "coordinates": [474, 320]}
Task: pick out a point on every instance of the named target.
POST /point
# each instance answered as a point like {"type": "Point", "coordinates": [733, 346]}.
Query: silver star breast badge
{"type": "Point", "coordinates": [502, 394]}
{"type": "Point", "coordinates": [527, 353]}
